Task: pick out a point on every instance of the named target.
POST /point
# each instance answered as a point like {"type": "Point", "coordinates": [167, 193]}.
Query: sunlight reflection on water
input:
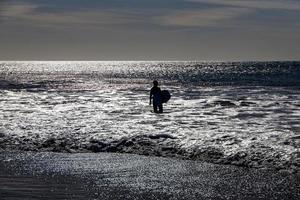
{"type": "Point", "coordinates": [92, 102]}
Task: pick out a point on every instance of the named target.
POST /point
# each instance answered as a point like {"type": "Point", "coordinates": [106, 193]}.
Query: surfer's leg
{"type": "Point", "coordinates": [160, 107]}
{"type": "Point", "coordinates": [154, 107]}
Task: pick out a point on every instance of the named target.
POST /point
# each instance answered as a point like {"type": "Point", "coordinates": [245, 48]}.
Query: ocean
{"type": "Point", "coordinates": [239, 113]}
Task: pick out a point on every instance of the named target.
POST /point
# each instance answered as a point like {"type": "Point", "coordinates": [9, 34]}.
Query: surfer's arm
{"type": "Point", "coordinates": [150, 97]}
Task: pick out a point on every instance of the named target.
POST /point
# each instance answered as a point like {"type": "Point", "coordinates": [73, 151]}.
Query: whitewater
{"type": "Point", "coordinates": [239, 113]}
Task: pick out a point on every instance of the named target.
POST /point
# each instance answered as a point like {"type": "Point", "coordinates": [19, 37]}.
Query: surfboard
{"type": "Point", "coordinates": [165, 95]}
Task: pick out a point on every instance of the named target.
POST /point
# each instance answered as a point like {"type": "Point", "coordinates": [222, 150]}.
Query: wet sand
{"type": "Point", "coordinates": [45, 175]}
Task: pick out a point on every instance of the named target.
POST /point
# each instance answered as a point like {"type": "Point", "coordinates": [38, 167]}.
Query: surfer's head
{"type": "Point", "coordinates": [155, 83]}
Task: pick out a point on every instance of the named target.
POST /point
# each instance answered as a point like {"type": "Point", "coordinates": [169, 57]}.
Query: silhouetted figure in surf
{"type": "Point", "coordinates": [155, 94]}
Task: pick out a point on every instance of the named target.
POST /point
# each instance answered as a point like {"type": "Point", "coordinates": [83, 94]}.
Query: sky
{"type": "Point", "coordinates": [204, 30]}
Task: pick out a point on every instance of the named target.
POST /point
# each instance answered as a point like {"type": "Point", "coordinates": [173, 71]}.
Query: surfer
{"type": "Point", "coordinates": [155, 94]}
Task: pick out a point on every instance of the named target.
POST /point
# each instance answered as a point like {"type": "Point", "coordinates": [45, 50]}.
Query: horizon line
{"type": "Point", "coordinates": [150, 60]}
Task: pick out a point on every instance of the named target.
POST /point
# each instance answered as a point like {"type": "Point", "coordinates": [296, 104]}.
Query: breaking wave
{"type": "Point", "coordinates": [219, 112]}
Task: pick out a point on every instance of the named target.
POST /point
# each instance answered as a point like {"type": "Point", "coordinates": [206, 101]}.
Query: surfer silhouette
{"type": "Point", "coordinates": [155, 95]}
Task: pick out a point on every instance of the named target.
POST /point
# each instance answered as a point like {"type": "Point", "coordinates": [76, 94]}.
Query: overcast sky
{"type": "Point", "coordinates": [150, 30]}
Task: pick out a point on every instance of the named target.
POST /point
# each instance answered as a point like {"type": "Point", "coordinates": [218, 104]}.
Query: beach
{"type": "Point", "coordinates": [29, 175]}
{"type": "Point", "coordinates": [140, 99]}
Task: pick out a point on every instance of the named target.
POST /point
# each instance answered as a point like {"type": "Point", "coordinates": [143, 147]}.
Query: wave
{"type": "Point", "coordinates": [245, 126]}
{"type": "Point", "coordinates": [157, 145]}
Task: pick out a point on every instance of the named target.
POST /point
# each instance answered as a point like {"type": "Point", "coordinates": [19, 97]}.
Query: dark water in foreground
{"type": "Point", "coordinates": [243, 114]}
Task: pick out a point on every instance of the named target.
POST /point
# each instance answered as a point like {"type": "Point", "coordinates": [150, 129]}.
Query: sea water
{"type": "Point", "coordinates": [241, 113]}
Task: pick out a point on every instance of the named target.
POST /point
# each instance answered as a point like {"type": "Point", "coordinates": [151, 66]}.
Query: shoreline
{"type": "Point", "coordinates": [50, 175]}
{"type": "Point", "coordinates": [159, 145]}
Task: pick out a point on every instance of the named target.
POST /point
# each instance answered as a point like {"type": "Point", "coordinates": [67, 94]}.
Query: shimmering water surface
{"type": "Point", "coordinates": [240, 113]}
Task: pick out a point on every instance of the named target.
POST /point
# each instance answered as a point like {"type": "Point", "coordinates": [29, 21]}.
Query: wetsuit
{"type": "Point", "coordinates": [156, 94]}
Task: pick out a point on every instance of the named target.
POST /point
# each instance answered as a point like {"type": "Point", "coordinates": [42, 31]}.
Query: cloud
{"type": "Point", "coordinates": [202, 18]}
{"type": "Point", "coordinates": [224, 13]}
{"type": "Point", "coordinates": [31, 13]}
{"type": "Point", "coordinates": [17, 10]}
{"type": "Point", "coordinates": [256, 4]}
{"type": "Point", "coordinates": [37, 15]}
